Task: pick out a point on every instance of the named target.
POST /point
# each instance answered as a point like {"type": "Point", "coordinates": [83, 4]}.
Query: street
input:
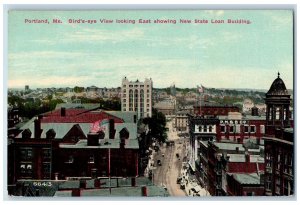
{"type": "Point", "coordinates": [171, 158]}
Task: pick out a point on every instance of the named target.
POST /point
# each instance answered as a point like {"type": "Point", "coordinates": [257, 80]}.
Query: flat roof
{"type": "Point", "coordinates": [253, 178]}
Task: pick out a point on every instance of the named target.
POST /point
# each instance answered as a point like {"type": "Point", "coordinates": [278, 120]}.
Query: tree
{"type": "Point", "coordinates": [78, 89]}
{"type": "Point", "coordinates": [157, 125]}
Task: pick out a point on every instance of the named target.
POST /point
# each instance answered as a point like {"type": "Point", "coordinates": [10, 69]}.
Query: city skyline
{"type": "Point", "coordinates": [69, 54]}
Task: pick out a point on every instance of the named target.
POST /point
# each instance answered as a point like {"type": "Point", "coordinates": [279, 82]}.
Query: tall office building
{"type": "Point", "coordinates": [137, 96]}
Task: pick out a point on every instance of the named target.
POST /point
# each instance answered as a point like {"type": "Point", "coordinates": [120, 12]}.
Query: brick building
{"type": "Point", "coordinates": [237, 128]}
{"type": "Point", "coordinates": [229, 164]}
{"type": "Point", "coordinates": [279, 142]}
{"type": "Point", "coordinates": [214, 110]}
{"type": "Point", "coordinates": [63, 144]}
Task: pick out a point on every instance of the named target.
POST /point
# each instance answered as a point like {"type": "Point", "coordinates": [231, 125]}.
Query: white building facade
{"type": "Point", "coordinates": [137, 96]}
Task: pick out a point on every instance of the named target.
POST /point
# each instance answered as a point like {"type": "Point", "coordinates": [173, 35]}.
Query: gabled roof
{"type": "Point", "coordinates": [77, 116]}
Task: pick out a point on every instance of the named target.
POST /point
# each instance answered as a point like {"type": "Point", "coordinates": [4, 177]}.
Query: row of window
{"type": "Point", "coordinates": [136, 91]}
{"type": "Point", "coordinates": [136, 86]}
{"type": "Point", "coordinates": [285, 161]}
{"type": "Point", "coordinates": [278, 113]}
{"type": "Point", "coordinates": [26, 154]}
{"type": "Point", "coordinates": [237, 129]}
{"type": "Point", "coordinates": [131, 96]}
{"type": "Point", "coordinates": [204, 128]}
{"type": "Point", "coordinates": [26, 169]}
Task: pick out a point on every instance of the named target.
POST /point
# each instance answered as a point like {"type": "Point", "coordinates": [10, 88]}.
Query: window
{"type": "Point", "coordinates": [46, 153]}
{"type": "Point", "coordinates": [210, 128]}
{"type": "Point", "coordinates": [277, 187]}
{"type": "Point", "coordinates": [46, 170]}
{"type": "Point", "coordinates": [237, 129]}
{"type": "Point", "coordinates": [268, 182]}
{"type": "Point", "coordinates": [262, 129]}
{"type": "Point", "coordinates": [205, 128]}
{"type": "Point", "coordinates": [277, 113]}
{"type": "Point", "coordinates": [252, 128]}
{"type": "Point", "coordinates": [231, 128]}
{"type": "Point", "coordinates": [26, 168]}
{"type": "Point", "coordinates": [287, 188]}
{"type": "Point", "coordinates": [200, 128]}
{"type": "Point", "coordinates": [26, 153]}
{"type": "Point", "coordinates": [246, 129]}
{"type": "Point", "coordinates": [223, 128]}
{"type": "Point", "coordinates": [278, 161]}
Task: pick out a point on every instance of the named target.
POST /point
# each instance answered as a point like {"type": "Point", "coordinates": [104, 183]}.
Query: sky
{"type": "Point", "coordinates": [187, 55]}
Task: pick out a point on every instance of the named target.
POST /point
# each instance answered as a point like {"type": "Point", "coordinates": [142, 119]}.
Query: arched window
{"type": "Point", "coordinates": [210, 128]}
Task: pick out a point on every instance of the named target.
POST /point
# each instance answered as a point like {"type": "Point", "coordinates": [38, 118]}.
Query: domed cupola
{"type": "Point", "coordinates": [277, 87]}
{"type": "Point", "coordinates": [278, 104]}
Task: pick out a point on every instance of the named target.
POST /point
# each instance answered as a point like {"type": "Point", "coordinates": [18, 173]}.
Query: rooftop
{"type": "Point", "coordinates": [88, 106]}
{"type": "Point", "coordinates": [246, 178]}
{"type": "Point", "coordinates": [73, 115]}
{"type": "Point", "coordinates": [277, 87]}
{"type": "Point", "coordinates": [229, 146]}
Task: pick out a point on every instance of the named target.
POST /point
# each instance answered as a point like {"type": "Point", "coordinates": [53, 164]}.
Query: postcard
{"type": "Point", "coordinates": [150, 103]}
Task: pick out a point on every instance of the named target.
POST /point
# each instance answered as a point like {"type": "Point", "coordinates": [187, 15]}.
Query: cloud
{"type": "Point", "coordinates": [100, 36]}
{"type": "Point", "coordinates": [243, 77]}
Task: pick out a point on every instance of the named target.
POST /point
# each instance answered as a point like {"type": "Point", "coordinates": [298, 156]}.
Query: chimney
{"type": "Point", "coordinates": [133, 183]}
{"type": "Point", "coordinates": [93, 139]}
{"type": "Point", "coordinates": [75, 192]}
{"type": "Point", "coordinates": [37, 128]}
{"type": "Point", "coordinates": [26, 134]}
{"type": "Point", "coordinates": [112, 130]}
{"type": "Point", "coordinates": [144, 191]}
{"type": "Point", "coordinates": [122, 143]}
{"type": "Point", "coordinates": [63, 112]}
{"type": "Point", "coordinates": [247, 156]}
